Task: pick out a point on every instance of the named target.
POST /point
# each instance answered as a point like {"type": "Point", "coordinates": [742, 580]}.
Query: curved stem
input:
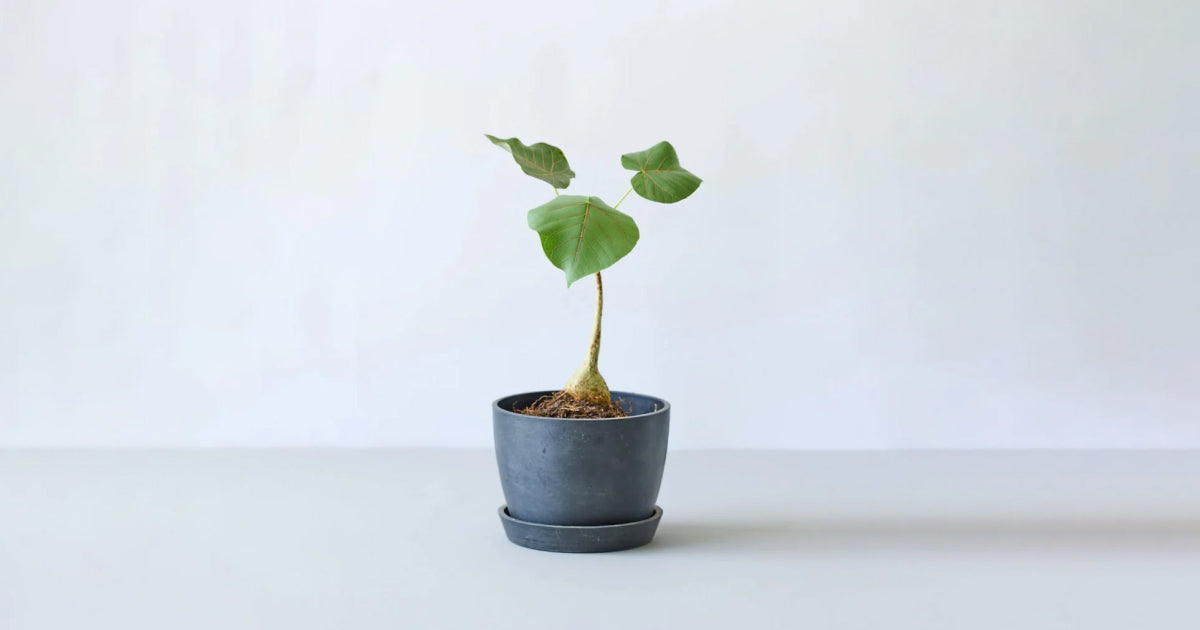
{"type": "Point", "coordinates": [593, 357]}
{"type": "Point", "coordinates": [587, 383]}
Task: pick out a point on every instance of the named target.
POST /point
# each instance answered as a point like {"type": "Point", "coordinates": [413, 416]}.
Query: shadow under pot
{"type": "Point", "coordinates": [585, 485]}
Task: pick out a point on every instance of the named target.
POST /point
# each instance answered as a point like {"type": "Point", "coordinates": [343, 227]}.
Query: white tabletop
{"type": "Point", "coordinates": [358, 540]}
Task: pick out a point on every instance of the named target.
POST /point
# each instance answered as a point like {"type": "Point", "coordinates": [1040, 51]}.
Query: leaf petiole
{"type": "Point", "coordinates": [623, 197]}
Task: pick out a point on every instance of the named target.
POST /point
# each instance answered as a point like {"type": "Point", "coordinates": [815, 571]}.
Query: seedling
{"type": "Point", "coordinates": [583, 235]}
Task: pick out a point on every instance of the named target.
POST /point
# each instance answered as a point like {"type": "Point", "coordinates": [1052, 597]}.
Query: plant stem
{"type": "Point", "coordinates": [555, 191]}
{"type": "Point", "coordinates": [586, 383]}
{"type": "Point", "coordinates": [623, 197]}
{"type": "Point", "coordinates": [593, 357]}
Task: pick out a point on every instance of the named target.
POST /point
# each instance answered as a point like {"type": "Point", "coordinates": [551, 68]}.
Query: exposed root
{"type": "Point", "coordinates": [564, 405]}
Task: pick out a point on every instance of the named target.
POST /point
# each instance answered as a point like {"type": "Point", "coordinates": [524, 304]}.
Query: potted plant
{"type": "Point", "coordinates": [581, 467]}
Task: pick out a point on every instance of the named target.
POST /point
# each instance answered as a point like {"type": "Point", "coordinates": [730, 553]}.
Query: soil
{"type": "Point", "coordinates": [564, 405]}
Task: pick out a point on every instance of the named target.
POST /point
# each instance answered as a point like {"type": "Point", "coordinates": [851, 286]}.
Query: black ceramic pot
{"type": "Point", "coordinates": [581, 485]}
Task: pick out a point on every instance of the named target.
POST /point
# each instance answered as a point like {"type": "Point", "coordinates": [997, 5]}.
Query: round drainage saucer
{"type": "Point", "coordinates": [580, 538]}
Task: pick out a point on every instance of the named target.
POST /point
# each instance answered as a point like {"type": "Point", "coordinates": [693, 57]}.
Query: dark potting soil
{"type": "Point", "coordinates": [563, 405]}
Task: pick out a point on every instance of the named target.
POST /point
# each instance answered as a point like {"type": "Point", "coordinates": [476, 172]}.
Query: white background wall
{"type": "Point", "coordinates": [923, 224]}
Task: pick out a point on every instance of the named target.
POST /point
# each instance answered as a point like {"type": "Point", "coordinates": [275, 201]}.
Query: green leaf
{"type": "Point", "coordinates": [660, 177]}
{"type": "Point", "coordinates": [583, 235]}
{"type": "Point", "coordinates": [541, 160]}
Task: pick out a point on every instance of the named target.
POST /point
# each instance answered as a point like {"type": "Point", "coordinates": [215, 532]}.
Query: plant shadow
{"type": "Point", "coordinates": [928, 534]}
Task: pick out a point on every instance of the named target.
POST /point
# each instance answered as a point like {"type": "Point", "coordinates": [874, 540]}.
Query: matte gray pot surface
{"type": "Point", "coordinates": [567, 482]}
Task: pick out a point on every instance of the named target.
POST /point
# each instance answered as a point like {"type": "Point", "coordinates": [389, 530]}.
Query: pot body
{"type": "Point", "coordinates": [604, 471]}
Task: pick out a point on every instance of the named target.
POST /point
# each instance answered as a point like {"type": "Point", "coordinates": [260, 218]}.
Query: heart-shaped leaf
{"type": "Point", "coordinates": [659, 176]}
{"type": "Point", "coordinates": [541, 160]}
{"type": "Point", "coordinates": [583, 235]}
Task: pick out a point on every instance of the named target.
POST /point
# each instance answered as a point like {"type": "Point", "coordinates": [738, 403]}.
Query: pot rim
{"type": "Point", "coordinates": [666, 406]}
